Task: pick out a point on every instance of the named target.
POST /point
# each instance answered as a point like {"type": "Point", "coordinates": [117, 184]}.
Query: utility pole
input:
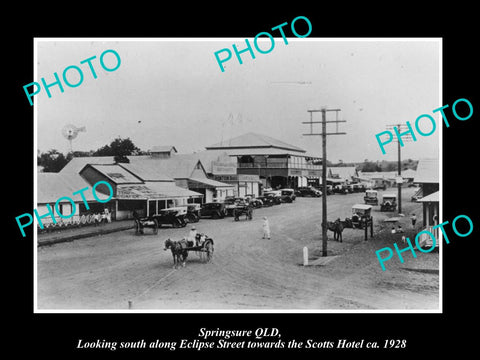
{"type": "Point", "coordinates": [405, 137]}
{"type": "Point", "coordinates": [324, 134]}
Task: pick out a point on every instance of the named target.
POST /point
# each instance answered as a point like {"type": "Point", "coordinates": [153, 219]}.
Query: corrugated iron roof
{"type": "Point", "coordinates": [78, 163]}
{"type": "Point", "coordinates": [116, 173]}
{"type": "Point", "coordinates": [53, 186]}
{"type": "Point", "coordinates": [253, 140]}
{"type": "Point", "coordinates": [153, 191]}
{"type": "Point", "coordinates": [211, 183]}
{"type": "Point", "coordinates": [433, 197]}
{"type": "Point", "coordinates": [163, 148]}
{"type": "Point", "coordinates": [427, 171]}
{"type": "Point", "coordinates": [155, 169]}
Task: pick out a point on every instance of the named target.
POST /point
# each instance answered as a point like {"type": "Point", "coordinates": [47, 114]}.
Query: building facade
{"type": "Point", "coordinates": [276, 163]}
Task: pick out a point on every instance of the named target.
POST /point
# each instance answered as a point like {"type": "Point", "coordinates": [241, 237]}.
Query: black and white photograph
{"type": "Point", "coordinates": [211, 195]}
{"type": "Point", "coordinates": [227, 180]}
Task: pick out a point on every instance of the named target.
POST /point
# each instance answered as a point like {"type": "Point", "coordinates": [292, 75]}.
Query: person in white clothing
{"type": "Point", "coordinates": [266, 228]}
{"type": "Point", "coordinates": [192, 235]}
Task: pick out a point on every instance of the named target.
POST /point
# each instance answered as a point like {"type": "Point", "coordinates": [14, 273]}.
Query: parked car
{"type": "Point", "coordinates": [174, 216]}
{"type": "Point", "coordinates": [389, 202]}
{"type": "Point", "coordinates": [254, 201]}
{"type": "Point", "coordinates": [266, 200]}
{"type": "Point", "coordinates": [340, 189]}
{"type": "Point", "coordinates": [308, 191]}
{"type": "Point", "coordinates": [214, 210]}
{"type": "Point", "coordinates": [359, 187]}
{"type": "Point", "coordinates": [371, 197]}
{"type": "Point", "coordinates": [361, 216]}
{"type": "Point", "coordinates": [287, 195]}
{"type": "Point", "coordinates": [273, 196]}
{"type": "Point", "coordinates": [193, 213]}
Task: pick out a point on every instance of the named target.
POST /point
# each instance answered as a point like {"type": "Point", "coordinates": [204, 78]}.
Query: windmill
{"type": "Point", "coordinates": [70, 132]}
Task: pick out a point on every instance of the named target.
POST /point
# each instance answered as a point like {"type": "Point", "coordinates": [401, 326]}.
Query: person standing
{"type": "Point", "coordinates": [266, 228]}
{"type": "Point", "coordinates": [192, 235]}
{"type": "Point", "coordinates": [414, 220]}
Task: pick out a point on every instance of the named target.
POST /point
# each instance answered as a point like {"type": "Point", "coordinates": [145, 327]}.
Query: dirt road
{"type": "Point", "coordinates": [247, 272]}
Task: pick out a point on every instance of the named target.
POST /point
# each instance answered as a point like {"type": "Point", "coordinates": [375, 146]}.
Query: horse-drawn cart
{"type": "Point", "coordinates": [142, 223]}
{"type": "Point", "coordinates": [174, 217]}
{"type": "Point", "coordinates": [203, 246]}
{"type": "Point", "coordinates": [243, 209]}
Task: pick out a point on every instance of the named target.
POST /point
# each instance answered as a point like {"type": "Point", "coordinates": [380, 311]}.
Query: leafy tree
{"type": "Point", "coordinates": [52, 161]}
{"type": "Point", "coordinates": [370, 166]}
{"type": "Point", "coordinates": [119, 149]}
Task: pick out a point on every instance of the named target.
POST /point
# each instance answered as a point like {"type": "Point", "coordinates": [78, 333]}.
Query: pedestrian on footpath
{"type": "Point", "coordinates": [266, 228]}
{"type": "Point", "coordinates": [414, 220]}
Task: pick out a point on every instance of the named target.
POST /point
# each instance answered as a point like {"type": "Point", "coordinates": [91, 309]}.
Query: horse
{"type": "Point", "coordinates": [337, 228]}
{"type": "Point", "coordinates": [178, 251]}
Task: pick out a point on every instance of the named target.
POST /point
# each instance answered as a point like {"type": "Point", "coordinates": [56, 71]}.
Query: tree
{"type": "Point", "coordinates": [52, 161]}
{"type": "Point", "coordinates": [119, 149]}
{"type": "Point", "coordinates": [370, 166]}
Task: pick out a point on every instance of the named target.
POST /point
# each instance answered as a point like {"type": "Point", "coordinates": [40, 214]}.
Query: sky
{"type": "Point", "coordinates": [172, 92]}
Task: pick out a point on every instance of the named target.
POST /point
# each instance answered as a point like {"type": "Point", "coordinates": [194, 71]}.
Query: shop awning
{"type": "Point", "coordinates": [202, 183]}
{"type": "Point", "coordinates": [153, 191]}
{"type": "Point", "coordinates": [434, 197]}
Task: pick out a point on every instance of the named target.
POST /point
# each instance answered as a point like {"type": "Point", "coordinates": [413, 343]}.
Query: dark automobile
{"type": "Point", "coordinates": [266, 201]}
{"type": "Point", "coordinates": [213, 210]}
{"type": "Point", "coordinates": [254, 201]}
{"type": "Point", "coordinates": [171, 216]}
{"type": "Point", "coordinates": [273, 196]}
{"type": "Point", "coordinates": [308, 191]}
{"type": "Point", "coordinates": [287, 195]}
{"type": "Point", "coordinates": [359, 187]}
{"type": "Point", "coordinates": [193, 213]}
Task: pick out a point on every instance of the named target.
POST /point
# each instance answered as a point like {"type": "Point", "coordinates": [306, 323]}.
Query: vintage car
{"type": "Point", "coordinates": [193, 213]}
{"type": "Point", "coordinates": [389, 202]}
{"type": "Point", "coordinates": [215, 210]}
{"type": "Point", "coordinates": [267, 201]}
{"type": "Point", "coordinates": [359, 187]}
{"type": "Point", "coordinates": [254, 201]}
{"type": "Point", "coordinates": [361, 216]}
{"type": "Point", "coordinates": [174, 217]}
{"type": "Point", "coordinates": [370, 197]}
{"type": "Point", "coordinates": [308, 191]}
{"type": "Point", "coordinates": [274, 195]}
{"type": "Point", "coordinates": [287, 195]}
{"type": "Point", "coordinates": [340, 189]}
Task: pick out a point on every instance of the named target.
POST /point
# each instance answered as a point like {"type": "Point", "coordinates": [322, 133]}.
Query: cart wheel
{"type": "Point", "coordinates": [155, 227]}
{"type": "Point", "coordinates": [209, 251]}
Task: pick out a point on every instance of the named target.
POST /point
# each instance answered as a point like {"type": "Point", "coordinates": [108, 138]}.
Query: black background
{"type": "Point", "coordinates": [57, 334]}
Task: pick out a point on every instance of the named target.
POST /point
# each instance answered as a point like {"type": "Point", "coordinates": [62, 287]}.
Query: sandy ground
{"type": "Point", "coordinates": [247, 272]}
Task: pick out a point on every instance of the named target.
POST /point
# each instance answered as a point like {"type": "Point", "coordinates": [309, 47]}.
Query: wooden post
{"type": "Point", "coordinates": [305, 256]}
{"type": "Point", "coordinates": [324, 183]}
{"type": "Point", "coordinates": [371, 227]}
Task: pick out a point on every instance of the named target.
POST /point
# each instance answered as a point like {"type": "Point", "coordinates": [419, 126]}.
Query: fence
{"type": "Point", "coordinates": [75, 221]}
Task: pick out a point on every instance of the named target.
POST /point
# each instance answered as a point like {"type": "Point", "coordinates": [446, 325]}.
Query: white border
{"type": "Point", "coordinates": [241, 311]}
